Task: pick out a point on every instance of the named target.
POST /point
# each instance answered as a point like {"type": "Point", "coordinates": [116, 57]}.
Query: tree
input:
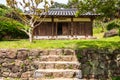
{"type": "Point", "coordinates": [59, 5]}
{"type": "Point", "coordinates": [107, 8]}
{"type": "Point", "coordinates": [35, 13]}
{"type": "Point", "coordinates": [72, 3]}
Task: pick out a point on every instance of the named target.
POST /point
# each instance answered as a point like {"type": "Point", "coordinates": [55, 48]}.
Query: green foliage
{"type": "Point", "coordinates": [115, 24]}
{"type": "Point", "coordinates": [119, 31]}
{"type": "Point", "coordinates": [3, 6]}
{"type": "Point", "coordinates": [98, 26]}
{"type": "Point", "coordinates": [112, 26]}
{"type": "Point", "coordinates": [116, 78]}
{"type": "Point", "coordinates": [59, 5]}
{"type": "Point", "coordinates": [107, 8]}
{"type": "Point", "coordinates": [9, 29]}
{"type": "Point", "coordinates": [4, 10]}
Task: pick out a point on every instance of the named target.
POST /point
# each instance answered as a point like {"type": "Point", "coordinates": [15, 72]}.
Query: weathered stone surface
{"type": "Point", "coordinates": [11, 54]}
{"type": "Point", "coordinates": [3, 53]}
{"type": "Point", "coordinates": [68, 74]}
{"type": "Point", "coordinates": [38, 74]}
{"type": "Point", "coordinates": [44, 52]}
{"type": "Point", "coordinates": [59, 51]}
{"type": "Point", "coordinates": [18, 62]}
{"type": "Point", "coordinates": [67, 58]}
{"type": "Point", "coordinates": [52, 52]}
{"type": "Point", "coordinates": [15, 75]}
{"type": "Point", "coordinates": [59, 66]}
{"type": "Point", "coordinates": [42, 66]}
{"type": "Point", "coordinates": [111, 33]}
{"type": "Point", "coordinates": [5, 74]}
{"type": "Point", "coordinates": [43, 58]}
{"type": "Point", "coordinates": [50, 66]}
{"type": "Point", "coordinates": [27, 75]}
{"type": "Point", "coordinates": [35, 52]}
{"type": "Point", "coordinates": [48, 74]}
{"type": "Point", "coordinates": [69, 52]}
{"type": "Point", "coordinates": [22, 54]}
{"type": "Point", "coordinates": [15, 69]}
{"type": "Point", "coordinates": [7, 64]}
{"type": "Point", "coordinates": [1, 61]}
{"type": "Point", "coordinates": [58, 74]}
{"type": "Point", "coordinates": [52, 58]}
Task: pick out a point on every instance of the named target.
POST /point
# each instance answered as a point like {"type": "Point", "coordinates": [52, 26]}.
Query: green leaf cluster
{"type": "Point", "coordinates": [9, 29]}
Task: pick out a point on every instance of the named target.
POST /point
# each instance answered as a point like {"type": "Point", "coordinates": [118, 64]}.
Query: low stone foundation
{"type": "Point", "coordinates": [95, 63]}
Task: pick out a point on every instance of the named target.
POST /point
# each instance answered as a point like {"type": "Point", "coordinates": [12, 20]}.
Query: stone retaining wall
{"type": "Point", "coordinates": [95, 63]}
{"type": "Point", "coordinates": [99, 63]}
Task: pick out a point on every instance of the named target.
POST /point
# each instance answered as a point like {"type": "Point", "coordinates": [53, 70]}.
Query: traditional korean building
{"type": "Point", "coordinates": [62, 23]}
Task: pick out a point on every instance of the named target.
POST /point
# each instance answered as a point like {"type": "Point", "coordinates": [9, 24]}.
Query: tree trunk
{"type": "Point", "coordinates": [31, 35]}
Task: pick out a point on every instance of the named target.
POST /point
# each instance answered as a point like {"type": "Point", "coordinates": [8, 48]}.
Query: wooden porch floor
{"type": "Point", "coordinates": [63, 37]}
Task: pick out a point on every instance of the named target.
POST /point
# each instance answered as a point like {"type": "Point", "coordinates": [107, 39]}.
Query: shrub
{"type": "Point", "coordinates": [9, 29]}
{"type": "Point", "coordinates": [115, 24]}
{"type": "Point", "coordinates": [112, 26]}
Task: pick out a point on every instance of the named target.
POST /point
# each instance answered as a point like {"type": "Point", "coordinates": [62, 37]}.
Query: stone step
{"type": "Point", "coordinates": [58, 52]}
{"type": "Point", "coordinates": [57, 73]}
{"type": "Point", "coordinates": [60, 79]}
{"type": "Point", "coordinates": [59, 65]}
{"type": "Point", "coordinates": [58, 58]}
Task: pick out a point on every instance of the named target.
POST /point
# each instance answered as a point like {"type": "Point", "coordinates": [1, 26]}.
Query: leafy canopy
{"type": "Point", "coordinates": [107, 8]}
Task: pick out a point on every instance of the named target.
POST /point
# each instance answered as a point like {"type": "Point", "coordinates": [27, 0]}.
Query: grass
{"type": "Point", "coordinates": [111, 43]}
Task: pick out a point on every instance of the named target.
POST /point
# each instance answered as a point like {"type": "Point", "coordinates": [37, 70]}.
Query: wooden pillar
{"type": "Point", "coordinates": [56, 29]}
{"type": "Point", "coordinates": [71, 27]}
{"type": "Point", "coordinates": [52, 26]}
{"type": "Point", "coordinates": [91, 26]}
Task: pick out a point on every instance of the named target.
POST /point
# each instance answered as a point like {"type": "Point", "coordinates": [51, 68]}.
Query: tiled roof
{"type": "Point", "coordinates": [65, 12]}
{"type": "Point", "coordinates": [62, 12]}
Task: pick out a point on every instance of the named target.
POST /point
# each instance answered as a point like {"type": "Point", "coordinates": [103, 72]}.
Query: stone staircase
{"type": "Point", "coordinates": [58, 65]}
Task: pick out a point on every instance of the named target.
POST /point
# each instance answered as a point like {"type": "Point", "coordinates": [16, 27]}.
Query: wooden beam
{"type": "Point", "coordinates": [81, 19]}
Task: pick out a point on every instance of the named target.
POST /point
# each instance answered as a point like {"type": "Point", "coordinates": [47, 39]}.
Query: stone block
{"type": "Point", "coordinates": [15, 69]}
{"type": "Point", "coordinates": [59, 51]}
{"type": "Point", "coordinates": [44, 52]}
{"type": "Point", "coordinates": [59, 66]}
{"type": "Point", "coordinates": [69, 52]}
{"type": "Point", "coordinates": [38, 74]}
{"type": "Point", "coordinates": [5, 74]}
{"type": "Point", "coordinates": [22, 54]}
{"type": "Point", "coordinates": [15, 75]}
{"type": "Point", "coordinates": [67, 58]}
{"type": "Point", "coordinates": [18, 62]}
{"type": "Point", "coordinates": [50, 66]}
{"type": "Point", "coordinates": [42, 66]}
{"type": "Point", "coordinates": [11, 54]}
{"type": "Point", "coordinates": [69, 74]}
{"type": "Point", "coordinates": [35, 52]}
{"type": "Point", "coordinates": [52, 58]}
{"type": "Point", "coordinates": [48, 74]}
{"type": "Point", "coordinates": [43, 59]}
{"type": "Point", "coordinates": [27, 74]}
{"type": "Point", "coordinates": [57, 74]}
{"type": "Point", "coordinates": [52, 52]}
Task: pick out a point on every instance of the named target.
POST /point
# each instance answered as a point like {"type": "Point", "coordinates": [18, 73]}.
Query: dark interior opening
{"type": "Point", "coordinates": [59, 29]}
